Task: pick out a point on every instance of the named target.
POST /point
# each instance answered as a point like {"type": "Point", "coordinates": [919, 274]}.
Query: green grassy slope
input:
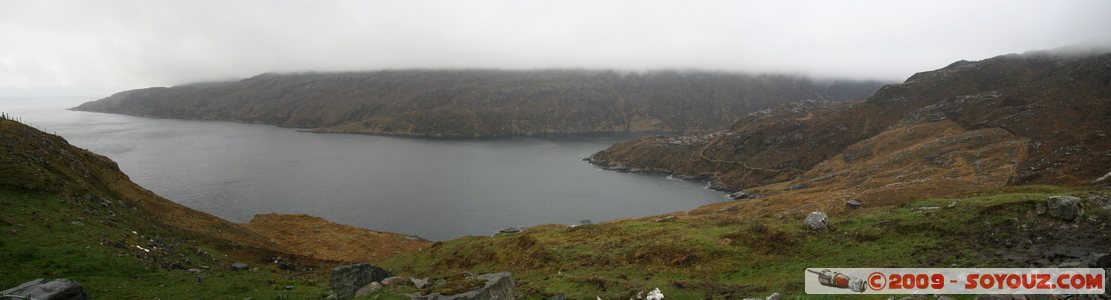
{"type": "Point", "coordinates": [47, 236]}
{"type": "Point", "coordinates": [724, 256]}
{"type": "Point", "coordinates": [68, 213]}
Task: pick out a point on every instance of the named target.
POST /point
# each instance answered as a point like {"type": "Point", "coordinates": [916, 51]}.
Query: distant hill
{"type": "Point", "coordinates": [482, 103]}
{"type": "Point", "coordinates": [1038, 117]}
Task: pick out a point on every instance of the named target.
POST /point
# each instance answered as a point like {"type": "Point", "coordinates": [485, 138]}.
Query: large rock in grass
{"type": "Point", "coordinates": [1064, 207]}
{"type": "Point", "coordinates": [817, 221]}
{"type": "Point", "coordinates": [47, 289]}
{"type": "Point", "coordinates": [348, 279]}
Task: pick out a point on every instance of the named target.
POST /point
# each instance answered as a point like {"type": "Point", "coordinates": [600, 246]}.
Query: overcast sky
{"type": "Point", "coordinates": [106, 46]}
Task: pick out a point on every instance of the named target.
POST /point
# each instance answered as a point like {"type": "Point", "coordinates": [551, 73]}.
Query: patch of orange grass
{"type": "Point", "coordinates": [318, 238]}
{"type": "Point", "coordinates": [904, 163]}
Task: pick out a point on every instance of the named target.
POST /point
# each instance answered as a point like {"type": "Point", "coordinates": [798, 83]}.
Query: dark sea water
{"type": "Point", "coordinates": [437, 189]}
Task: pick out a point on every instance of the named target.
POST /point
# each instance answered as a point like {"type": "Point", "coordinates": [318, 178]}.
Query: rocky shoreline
{"type": "Point", "coordinates": [709, 179]}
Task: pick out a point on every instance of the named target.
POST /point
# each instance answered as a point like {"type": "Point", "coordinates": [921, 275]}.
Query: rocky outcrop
{"type": "Point", "coordinates": [482, 103]}
{"type": "Point", "coordinates": [347, 279]}
{"type": "Point", "coordinates": [494, 286]}
{"type": "Point", "coordinates": [47, 289]}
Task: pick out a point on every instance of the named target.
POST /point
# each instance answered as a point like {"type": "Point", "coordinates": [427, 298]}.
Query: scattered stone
{"type": "Point", "coordinates": [510, 230]}
{"type": "Point", "coordinates": [238, 266]}
{"type": "Point", "coordinates": [194, 270]}
{"type": "Point", "coordinates": [854, 204]}
{"type": "Point", "coordinates": [498, 286]}
{"type": "Point", "coordinates": [368, 289]}
{"type": "Point", "coordinates": [925, 208]}
{"type": "Point", "coordinates": [741, 195]}
{"type": "Point", "coordinates": [1067, 208]}
{"type": "Point", "coordinates": [289, 287]}
{"type": "Point", "coordinates": [665, 219]}
{"type": "Point", "coordinates": [48, 289]}
{"type": "Point", "coordinates": [953, 204]}
{"type": "Point", "coordinates": [347, 279]}
{"type": "Point", "coordinates": [284, 265]}
{"type": "Point", "coordinates": [817, 221]}
{"type": "Point", "coordinates": [419, 283]}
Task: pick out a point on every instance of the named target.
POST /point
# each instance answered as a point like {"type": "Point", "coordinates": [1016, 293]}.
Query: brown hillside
{"type": "Point", "coordinates": [1059, 102]}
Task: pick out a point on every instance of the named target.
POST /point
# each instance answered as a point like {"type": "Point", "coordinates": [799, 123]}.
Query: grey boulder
{"type": "Point", "coordinates": [368, 289]}
{"type": "Point", "coordinates": [48, 289]}
{"type": "Point", "coordinates": [419, 283]}
{"type": "Point", "coordinates": [347, 279]}
{"type": "Point", "coordinates": [854, 204]}
{"type": "Point", "coordinates": [817, 221]}
{"type": "Point", "coordinates": [1067, 208]}
{"type": "Point", "coordinates": [238, 266]}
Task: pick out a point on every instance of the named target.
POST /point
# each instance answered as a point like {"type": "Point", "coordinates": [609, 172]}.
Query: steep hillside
{"type": "Point", "coordinates": [1045, 112]}
{"type": "Point", "coordinates": [66, 212]}
{"type": "Point", "coordinates": [482, 103]}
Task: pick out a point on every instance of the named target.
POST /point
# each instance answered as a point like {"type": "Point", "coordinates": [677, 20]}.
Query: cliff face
{"type": "Point", "coordinates": [482, 103]}
{"type": "Point", "coordinates": [1050, 109]}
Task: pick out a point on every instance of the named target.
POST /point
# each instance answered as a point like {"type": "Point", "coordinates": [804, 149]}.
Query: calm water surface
{"type": "Point", "coordinates": [437, 189]}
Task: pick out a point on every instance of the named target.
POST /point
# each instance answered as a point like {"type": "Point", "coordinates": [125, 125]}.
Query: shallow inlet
{"type": "Point", "coordinates": [437, 189]}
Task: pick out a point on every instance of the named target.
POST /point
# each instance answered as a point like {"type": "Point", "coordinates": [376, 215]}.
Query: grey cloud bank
{"type": "Point", "coordinates": [105, 46]}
